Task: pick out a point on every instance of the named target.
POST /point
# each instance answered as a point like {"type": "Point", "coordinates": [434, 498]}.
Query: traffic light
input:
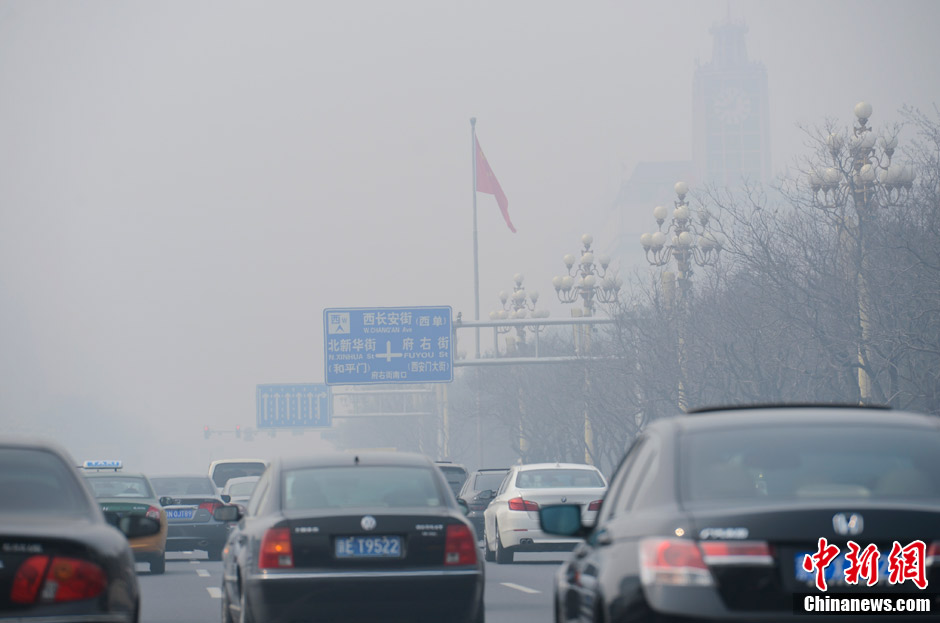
{"type": "Point", "coordinates": [205, 431]}
{"type": "Point", "coordinates": [238, 430]}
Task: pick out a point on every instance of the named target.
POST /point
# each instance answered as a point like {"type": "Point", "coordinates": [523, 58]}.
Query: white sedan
{"type": "Point", "coordinates": [511, 521]}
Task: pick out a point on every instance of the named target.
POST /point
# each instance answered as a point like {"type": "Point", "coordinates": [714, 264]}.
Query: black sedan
{"type": "Point", "coordinates": [376, 537]}
{"type": "Point", "coordinates": [189, 514]}
{"type": "Point", "coordinates": [59, 559]}
{"type": "Point", "coordinates": [762, 515]}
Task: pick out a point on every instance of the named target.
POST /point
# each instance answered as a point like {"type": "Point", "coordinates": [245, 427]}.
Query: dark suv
{"type": "Point", "coordinates": [477, 492]}
{"type": "Point", "coordinates": [455, 474]}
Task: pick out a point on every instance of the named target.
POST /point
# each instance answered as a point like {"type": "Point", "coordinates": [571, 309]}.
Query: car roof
{"type": "Point", "coordinates": [493, 469]}
{"type": "Point", "coordinates": [19, 442]}
{"type": "Point", "coordinates": [530, 466]}
{"type": "Point", "coordinates": [341, 459]}
{"type": "Point", "coordinates": [199, 476]}
{"type": "Point", "coordinates": [249, 460]}
{"type": "Point", "coordinates": [34, 443]}
{"type": "Point", "coordinates": [797, 416]}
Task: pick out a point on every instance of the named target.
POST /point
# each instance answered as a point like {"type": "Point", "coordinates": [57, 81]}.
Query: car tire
{"type": "Point", "coordinates": [226, 610]}
{"type": "Point", "coordinates": [503, 555]}
{"type": "Point", "coordinates": [244, 616]}
{"type": "Point", "coordinates": [158, 565]}
{"type": "Point", "coordinates": [488, 554]}
{"type": "Point", "coordinates": [214, 553]}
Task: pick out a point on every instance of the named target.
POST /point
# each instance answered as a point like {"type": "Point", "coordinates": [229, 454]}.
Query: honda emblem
{"type": "Point", "coordinates": [848, 524]}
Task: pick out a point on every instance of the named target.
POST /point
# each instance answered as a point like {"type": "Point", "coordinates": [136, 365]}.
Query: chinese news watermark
{"type": "Point", "coordinates": [904, 563]}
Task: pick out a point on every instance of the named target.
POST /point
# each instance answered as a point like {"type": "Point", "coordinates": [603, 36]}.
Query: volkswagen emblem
{"type": "Point", "coordinates": [563, 499]}
{"type": "Point", "coordinates": [368, 522]}
{"type": "Point", "coordinates": [848, 524]}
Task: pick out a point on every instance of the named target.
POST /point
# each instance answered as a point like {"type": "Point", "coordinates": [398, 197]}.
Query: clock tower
{"type": "Point", "coordinates": [731, 142]}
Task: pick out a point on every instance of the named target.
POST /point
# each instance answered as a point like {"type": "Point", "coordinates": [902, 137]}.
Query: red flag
{"type": "Point", "coordinates": [486, 183]}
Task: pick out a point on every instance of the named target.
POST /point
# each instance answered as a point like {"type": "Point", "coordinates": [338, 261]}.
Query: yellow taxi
{"type": "Point", "coordinates": [120, 494]}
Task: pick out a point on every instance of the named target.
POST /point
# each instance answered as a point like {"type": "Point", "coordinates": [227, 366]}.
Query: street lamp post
{"type": "Point", "coordinates": [517, 306]}
{"type": "Point", "coordinates": [863, 174]}
{"type": "Point", "coordinates": [588, 281]}
{"type": "Point", "coordinates": [690, 243]}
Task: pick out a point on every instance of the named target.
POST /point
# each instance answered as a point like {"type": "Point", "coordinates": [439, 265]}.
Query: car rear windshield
{"type": "Point", "coordinates": [360, 487]}
{"type": "Point", "coordinates": [488, 480]}
{"type": "Point", "coordinates": [178, 485]}
{"type": "Point", "coordinates": [825, 463]}
{"type": "Point", "coordinates": [120, 487]}
{"type": "Point", "coordinates": [224, 471]}
{"type": "Point", "coordinates": [37, 481]}
{"type": "Point", "coordinates": [559, 478]}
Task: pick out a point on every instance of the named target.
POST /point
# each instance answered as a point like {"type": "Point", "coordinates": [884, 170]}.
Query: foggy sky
{"type": "Point", "coordinates": [185, 186]}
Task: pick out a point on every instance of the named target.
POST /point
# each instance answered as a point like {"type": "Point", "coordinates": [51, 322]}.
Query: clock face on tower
{"type": "Point", "coordinates": [732, 106]}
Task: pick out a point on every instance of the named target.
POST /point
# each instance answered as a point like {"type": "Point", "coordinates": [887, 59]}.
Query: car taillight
{"type": "Point", "coordinates": [210, 506]}
{"type": "Point", "coordinates": [736, 553]}
{"type": "Point", "coordinates": [675, 562]}
{"type": "Point", "coordinates": [460, 547]}
{"type": "Point", "coordinates": [276, 551]}
{"type": "Point", "coordinates": [518, 504]}
{"type": "Point", "coordinates": [595, 505]}
{"type": "Point", "coordinates": [67, 579]}
{"type": "Point", "coordinates": [153, 512]}
{"type": "Point", "coordinates": [27, 580]}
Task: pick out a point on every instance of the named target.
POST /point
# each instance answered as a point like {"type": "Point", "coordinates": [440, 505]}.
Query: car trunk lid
{"type": "Point", "coordinates": [790, 533]}
{"type": "Point", "coordinates": [369, 541]}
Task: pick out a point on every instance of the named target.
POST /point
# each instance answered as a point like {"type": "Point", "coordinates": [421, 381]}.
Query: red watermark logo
{"type": "Point", "coordinates": [904, 563]}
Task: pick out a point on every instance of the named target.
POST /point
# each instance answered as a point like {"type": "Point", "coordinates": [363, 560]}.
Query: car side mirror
{"type": "Point", "coordinates": [227, 513]}
{"type": "Point", "coordinates": [136, 526]}
{"type": "Point", "coordinates": [463, 506]}
{"type": "Point", "coordinates": [226, 498]}
{"type": "Point", "coordinates": [166, 500]}
{"type": "Point", "coordinates": [562, 520]}
{"type": "Point", "coordinates": [488, 494]}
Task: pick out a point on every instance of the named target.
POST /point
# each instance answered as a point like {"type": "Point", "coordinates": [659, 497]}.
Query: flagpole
{"type": "Point", "coordinates": [476, 295]}
{"type": "Point", "coordinates": [476, 261]}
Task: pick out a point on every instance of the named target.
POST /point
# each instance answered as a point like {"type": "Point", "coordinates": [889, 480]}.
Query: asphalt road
{"type": "Point", "coordinates": [189, 590]}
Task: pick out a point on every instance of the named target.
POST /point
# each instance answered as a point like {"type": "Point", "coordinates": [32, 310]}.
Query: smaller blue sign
{"type": "Point", "coordinates": [301, 405]}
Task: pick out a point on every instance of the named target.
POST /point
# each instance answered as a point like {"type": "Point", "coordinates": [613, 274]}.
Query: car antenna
{"type": "Point", "coordinates": [356, 460]}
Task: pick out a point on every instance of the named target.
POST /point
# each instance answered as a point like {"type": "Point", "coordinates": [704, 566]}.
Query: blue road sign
{"type": "Point", "coordinates": [388, 345]}
{"type": "Point", "coordinates": [293, 406]}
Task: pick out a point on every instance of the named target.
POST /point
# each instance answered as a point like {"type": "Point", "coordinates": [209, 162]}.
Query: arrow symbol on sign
{"type": "Point", "coordinates": [388, 354]}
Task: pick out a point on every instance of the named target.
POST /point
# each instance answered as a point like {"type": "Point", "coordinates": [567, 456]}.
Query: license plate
{"type": "Point", "coordinates": [835, 572]}
{"type": "Point", "coordinates": [180, 513]}
{"type": "Point", "coordinates": [368, 547]}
